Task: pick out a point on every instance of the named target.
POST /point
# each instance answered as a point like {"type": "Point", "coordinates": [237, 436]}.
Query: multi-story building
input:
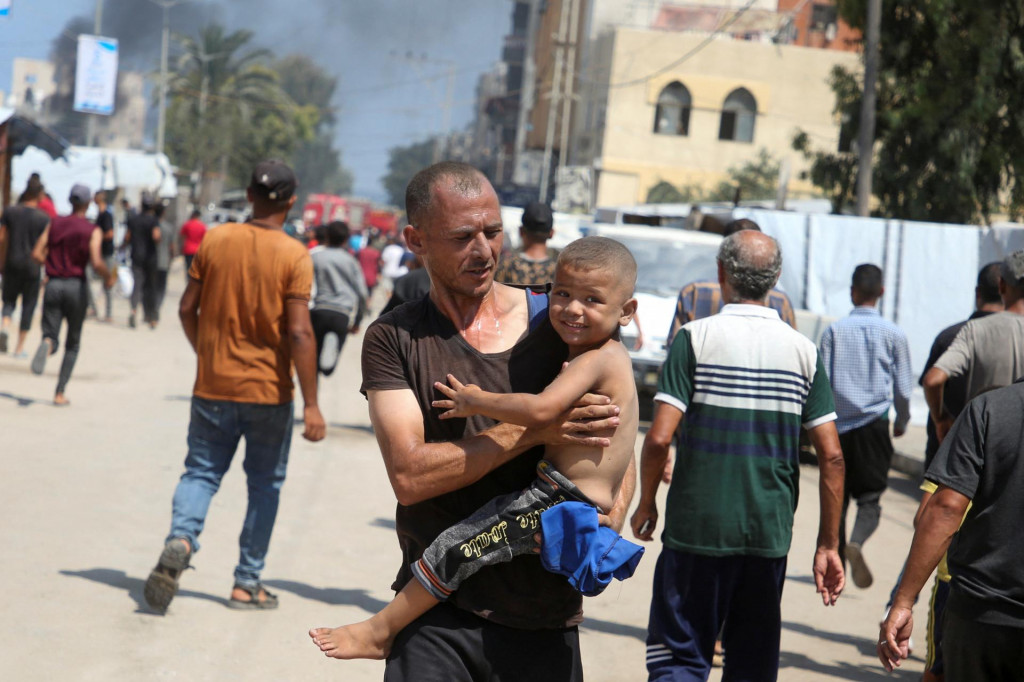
{"type": "Point", "coordinates": [686, 107]}
{"type": "Point", "coordinates": [32, 83]}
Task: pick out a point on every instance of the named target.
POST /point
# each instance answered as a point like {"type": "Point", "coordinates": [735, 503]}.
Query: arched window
{"type": "Point", "coordinates": [738, 114]}
{"type": "Point", "coordinates": [672, 115]}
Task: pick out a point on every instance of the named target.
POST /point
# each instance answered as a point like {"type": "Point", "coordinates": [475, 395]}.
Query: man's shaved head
{"type": "Point", "coordinates": [459, 177]}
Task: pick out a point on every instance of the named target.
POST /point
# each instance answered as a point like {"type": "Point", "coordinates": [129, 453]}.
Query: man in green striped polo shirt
{"type": "Point", "coordinates": [746, 383]}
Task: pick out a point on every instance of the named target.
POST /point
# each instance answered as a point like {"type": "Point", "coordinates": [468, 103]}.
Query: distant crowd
{"type": "Point", "coordinates": [506, 413]}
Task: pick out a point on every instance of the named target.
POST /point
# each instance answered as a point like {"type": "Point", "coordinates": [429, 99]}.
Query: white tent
{"type": "Point", "coordinates": [128, 169]}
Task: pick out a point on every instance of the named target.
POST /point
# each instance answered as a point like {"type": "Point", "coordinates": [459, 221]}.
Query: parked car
{"type": "Point", "coordinates": [667, 259]}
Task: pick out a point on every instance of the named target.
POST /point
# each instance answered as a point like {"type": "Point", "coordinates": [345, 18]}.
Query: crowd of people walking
{"type": "Point", "coordinates": [500, 397]}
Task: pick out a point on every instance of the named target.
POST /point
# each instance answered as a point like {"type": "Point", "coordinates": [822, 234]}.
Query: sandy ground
{"type": "Point", "coordinates": [85, 503]}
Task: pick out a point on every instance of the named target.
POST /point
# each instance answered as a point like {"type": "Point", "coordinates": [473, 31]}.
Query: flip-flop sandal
{"type": "Point", "coordinates": [254, 603]}
{"type": "Point", "coordinates": [162, 584]}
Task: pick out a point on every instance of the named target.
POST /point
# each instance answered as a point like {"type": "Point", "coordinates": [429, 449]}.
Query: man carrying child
{"type": "Point", "coordinates": [442, 470]}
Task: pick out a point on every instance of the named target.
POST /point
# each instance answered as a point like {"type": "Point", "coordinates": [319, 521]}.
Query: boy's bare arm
{"type": "Point", "coordinates": [532, 411]}
{"type": "Point", "coordinates": [419, 470]}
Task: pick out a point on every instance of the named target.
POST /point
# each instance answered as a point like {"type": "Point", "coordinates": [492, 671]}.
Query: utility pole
{"type": "Point", "coordinates": [527, 92]}
{"type": "Point", "coordinates": [866, 139]}
{"type": "Point", "coordinates": [161, 121]}
{"type": "Point", "coordinates": [90, 123]}
{"type": "Point", "coordinates": [446, 118]}
{"type": "Point", "coordinates": [556, 84]}
{"type": "Point", "coordinates": [570, 78]}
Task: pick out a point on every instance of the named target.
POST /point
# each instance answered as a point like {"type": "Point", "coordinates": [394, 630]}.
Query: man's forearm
{"type": "Point", "coordinates": [831, 478]}
{"type": "Point", "coordinates": [303, 347]}
{"type": "Point", "coordinates": [652, 464]}
{"type": "Point", "coordinates": [431, 469]}
{"type": "Point", "coordinates": [936, 528]}
{"type": "Point", "coordinates": [934, 386]}
{"type": "Point", "coordinates": [190, 325]}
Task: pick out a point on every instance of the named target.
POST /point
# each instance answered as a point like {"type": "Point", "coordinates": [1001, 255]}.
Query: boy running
{"type": "Point", "coordinates": [590, 299]}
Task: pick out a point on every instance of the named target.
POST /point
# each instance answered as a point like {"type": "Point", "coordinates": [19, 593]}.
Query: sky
{"type": "Point", "coordinates": [391, 58]}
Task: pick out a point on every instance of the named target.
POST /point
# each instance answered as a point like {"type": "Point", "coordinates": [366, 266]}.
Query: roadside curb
{"type": "Point", "coordinates": [907, 464]}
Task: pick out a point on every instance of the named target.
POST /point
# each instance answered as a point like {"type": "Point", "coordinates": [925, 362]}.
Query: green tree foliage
{"type": "Point", "coordinates": [950, 133]}
{"type": "Point", "coordinates": [403, 163]}
{"type": "Point", "coordinates": [227, 109]}
{"type": "Point", "coordinates": [755, 179]}
{"type": "Point", "coordinates": [317, 163]}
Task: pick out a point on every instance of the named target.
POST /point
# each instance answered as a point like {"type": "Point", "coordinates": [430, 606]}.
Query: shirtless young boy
{"type": "Point", "coordinates": [591, 298]}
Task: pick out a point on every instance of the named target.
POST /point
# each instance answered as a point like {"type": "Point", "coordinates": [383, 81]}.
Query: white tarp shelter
{"type": "Point", "coordinates": [128, 169]}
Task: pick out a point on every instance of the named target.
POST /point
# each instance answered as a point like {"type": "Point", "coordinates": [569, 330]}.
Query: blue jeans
{"type": "Point", "coordinates": [215, 428]}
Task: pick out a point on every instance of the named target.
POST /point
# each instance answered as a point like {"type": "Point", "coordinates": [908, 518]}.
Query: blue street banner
{"type": "Point", "coordinates": [5, 8]}
{"type": "Point", "coordinates": [96, 75]}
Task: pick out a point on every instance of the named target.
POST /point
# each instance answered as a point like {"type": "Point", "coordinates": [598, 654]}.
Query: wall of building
{"type": "Point", "coordinates": [32, 81]}
{"type": "Point", "coordinates": [789, 84]}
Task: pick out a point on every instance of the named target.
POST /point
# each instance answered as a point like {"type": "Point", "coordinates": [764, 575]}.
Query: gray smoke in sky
{"type": "Point", "coordinates": [390, 57]}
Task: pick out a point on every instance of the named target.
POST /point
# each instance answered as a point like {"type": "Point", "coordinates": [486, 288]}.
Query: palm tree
{"type": "Point", "coordinates": [217, 89]}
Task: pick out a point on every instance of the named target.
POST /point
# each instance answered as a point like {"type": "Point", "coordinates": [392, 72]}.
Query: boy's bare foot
{"type": "Point", "coordinates": [60, 400]}
{"type": "Point", "coordinates": [359, 640]}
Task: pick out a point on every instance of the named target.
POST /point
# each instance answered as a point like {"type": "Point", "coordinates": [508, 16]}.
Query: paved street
{"type": "Point", "coordinates": [85, 503]}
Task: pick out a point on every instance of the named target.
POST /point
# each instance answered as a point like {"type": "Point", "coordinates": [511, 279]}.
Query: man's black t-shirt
{"type": "Point", "coordinates": [983, 458]}
{"type": "Point", "coordinates": [412, 347]}
{"type": "Point", "coordinates": [143, 247]}
{"type": "Point", "coordinates": [105, 221]}
{"type": "Point", "coordinates": [24, 226]}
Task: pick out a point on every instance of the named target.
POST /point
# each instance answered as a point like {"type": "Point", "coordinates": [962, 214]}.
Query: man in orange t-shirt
{"type": "Point", "coordinates": [246, 313]}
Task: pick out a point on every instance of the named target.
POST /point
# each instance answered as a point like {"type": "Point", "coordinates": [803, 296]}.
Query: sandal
{"type": "Point", "coordinates": [162, 584]}
{"type": "Point", "coordinates": [254, 603]}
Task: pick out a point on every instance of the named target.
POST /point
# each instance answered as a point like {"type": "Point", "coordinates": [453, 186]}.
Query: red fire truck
{"type": "Point", "coordinates": [324, 208]}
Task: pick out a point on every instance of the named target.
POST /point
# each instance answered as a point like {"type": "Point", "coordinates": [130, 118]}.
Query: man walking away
{"type": "Point", "coordinates": [868, 363]}
{"type": "Point", "coordinates": [142, 235]}
{"type": "Point", "coordinates": [340, 296]}
{"type": "Point", "coordinates": [533, 263]}
{"type": "Point", "coordinates": [736, 390]}
{"type": "Point", "coordinates": [20, 228]}
{"type": "Point", "coordinates": [66, 247]}
{"type": "Point", "coordinates": [246, 313]}
{"type": "Point", "coordinates": [980, 466]}
{"type": "Point", "coordinates": [105, 221]}
{"type": "Point", "coordinates": [192, 233]}
{"type": "Point", "coordinates": [164, 256]}
{"type": "Point", "coordinates": [987, 352]}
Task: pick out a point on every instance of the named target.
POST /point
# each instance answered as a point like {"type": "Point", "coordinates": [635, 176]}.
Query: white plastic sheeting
{"type": "Point", "coordinates": [930, 269]}
{"type": "Point", "coordinates": [128, 169]}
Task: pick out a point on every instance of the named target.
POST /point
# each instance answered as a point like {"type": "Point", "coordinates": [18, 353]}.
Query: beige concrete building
{"type": "Point", "coordinates": [32, 82]}
{"type": "Point", "coordinates": [672, 108]}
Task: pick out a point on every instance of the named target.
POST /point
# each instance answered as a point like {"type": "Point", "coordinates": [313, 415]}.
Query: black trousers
{"type": "Point", "coordinates": [324, 322]}
{"type": "Point", "coordinates": [973, 651]}
{"type": "Point", "coordinates": [23, 284]}
{"type": "Point", "coordinates": [447, 644]}
{"type": "Point", "coordinates": [868, 452]}
{"type": "Point", "coordinates": [65, 299]}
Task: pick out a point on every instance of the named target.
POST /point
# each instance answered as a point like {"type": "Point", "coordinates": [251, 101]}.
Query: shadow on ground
{"type": "Point", "coordinates": [334, 596]}
{"type": "Point", "coordinates": [22, 401]}
{"type": "Point", "coordinates": [865, 645]}
{"type": "Point", "coordinates": [841, 671]}
{"type": "Point", "coordinates": [134, 587]}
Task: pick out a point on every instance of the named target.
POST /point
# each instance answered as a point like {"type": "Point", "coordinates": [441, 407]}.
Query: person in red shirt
{"type": "Point", "coordinates": [45, 202]}
{"type": "Point", "coordinates": [369, 260]}
{"type": "Point", "coordinates": [66, 246]}
{"type": "Point", "coordinates": [192, 233]}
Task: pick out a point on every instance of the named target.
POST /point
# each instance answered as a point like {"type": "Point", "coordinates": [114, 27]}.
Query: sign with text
{"type": "Point", "coordinates": [96, 75]}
